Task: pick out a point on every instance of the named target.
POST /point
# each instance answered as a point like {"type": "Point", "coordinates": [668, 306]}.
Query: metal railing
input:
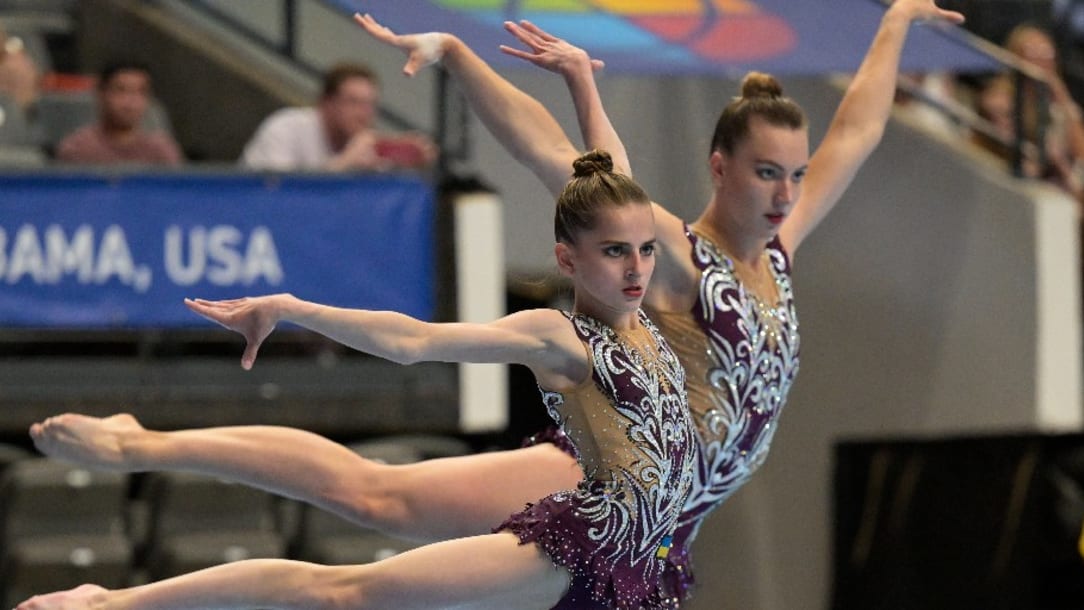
{"type": "Point", "coordinates": [1024, 75]}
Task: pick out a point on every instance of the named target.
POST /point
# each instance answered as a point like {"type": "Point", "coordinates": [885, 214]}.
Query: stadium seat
{"type": "Point", "coordinates": [61, 526]}
{"type": "Point", "coordinates": [15, 130]}
{"type": "Point", "coordinates": [11, 453]}
{"type": "Point", "coordinates": [197, 522]}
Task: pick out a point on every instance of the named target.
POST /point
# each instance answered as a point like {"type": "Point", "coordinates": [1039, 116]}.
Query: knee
{"type": "Point", "coordinates": [357, 587]}
{"type": "Point", "coordinates": [371, 500]}
{"type": "Point", "coordinates": [335, 588]}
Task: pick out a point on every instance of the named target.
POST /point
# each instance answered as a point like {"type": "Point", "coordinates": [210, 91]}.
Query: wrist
{"type": "Point", "coordinates": [448, 43]}
{"type": "Point", "coordinates": [576, 73]}
{"type": "Point", "coordinates": [285, 307]}
{"type": "Point", "coordinates": [452, 48]}
{"type": "Point", "coordinates": [144, 450]}
{"type": "Point", "coordinates": [429, 48]}
{"type": "Point", "coordinates": [900, 14]}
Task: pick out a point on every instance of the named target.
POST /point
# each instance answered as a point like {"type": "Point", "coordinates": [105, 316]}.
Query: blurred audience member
{"type": "Point", "coordinates": [119, 136]}
{"type": "Point", "coordinates": [994, 102]}
{"type": "Point", "coordinates": [337, 133]}
{"type": "Point", "coordinates": [1049, 113]}
{"type": "Point", "coordinates": [929, 98]}
{"type": "Point", "coordinates": [20, 78]}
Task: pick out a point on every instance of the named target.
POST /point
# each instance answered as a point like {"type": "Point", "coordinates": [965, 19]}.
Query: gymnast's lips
{"type": "Point", "coordinates": [635, 292]}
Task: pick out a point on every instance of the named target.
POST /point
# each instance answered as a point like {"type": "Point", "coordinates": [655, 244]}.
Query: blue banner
{"type": "Point", "coordinates": [720, 37]}
{"type": "Point", "coordinates": [92, 251]}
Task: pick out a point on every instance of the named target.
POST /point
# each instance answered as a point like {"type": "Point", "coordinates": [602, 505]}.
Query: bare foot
{"type": "Point", "coordinates": [82, 597]}
{"type": "Point", "coordinates": [88, 441]}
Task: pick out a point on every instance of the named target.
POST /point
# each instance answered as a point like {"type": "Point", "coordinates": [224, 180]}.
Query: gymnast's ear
{"type": "Point", "coordinates": [565, 258]}
{"type": "Point", "coordinates": [717, 163]}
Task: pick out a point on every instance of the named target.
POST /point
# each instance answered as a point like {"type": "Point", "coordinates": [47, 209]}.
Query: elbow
{"type": "Point", "coordinates": [340, 588]}
{"type": "Point", "coordinates": [409, 353]}
{"type": "Point", "coordinates": [876, 133]}
{"type": "Point", "coordinates": [406, 359]}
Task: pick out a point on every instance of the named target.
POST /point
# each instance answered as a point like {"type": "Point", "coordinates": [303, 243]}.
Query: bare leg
{"type": "Point", "coordinates": [482, 572]}
{"type": "Point", "coordinates": [427, 501]}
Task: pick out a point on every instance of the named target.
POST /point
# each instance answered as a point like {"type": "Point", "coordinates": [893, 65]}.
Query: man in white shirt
{"type": "Point", "coordinates": [336, 134]}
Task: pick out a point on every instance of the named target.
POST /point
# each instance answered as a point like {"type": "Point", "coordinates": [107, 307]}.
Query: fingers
{"type": "Point", "coordinates": [249, 357]}
{"type": "Point", "coordinates": [537, 31]}
{"type": "Point", "coordinates": [210, 310]}
{"type": "Point", "coordinates": [953, 17]}
{"type": "Point", "coordinates": [531, 40]}
{"type": "Point", "coordinates": [223, 302]}
{"type": "Point", "coordinates": [514, 52]}
{"type": "Point", "coordinates": [380, 32]}
{"type": "Point", "coordinates": [546, 50]}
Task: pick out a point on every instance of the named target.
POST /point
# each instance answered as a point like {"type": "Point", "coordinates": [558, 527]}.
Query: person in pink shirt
{"type": "Point", "coordinates": [119, 135]}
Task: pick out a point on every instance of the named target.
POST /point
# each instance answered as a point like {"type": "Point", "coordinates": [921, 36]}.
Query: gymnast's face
{"type": "Point", "coordinates": [611, 263]}
{"type": "Point", "coordinates": [762, 179]}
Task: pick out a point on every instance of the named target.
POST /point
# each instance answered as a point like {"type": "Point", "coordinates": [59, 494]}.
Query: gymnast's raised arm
{"type": "Point", "coordinates": [578, 69]}
{"type": "Point", "coordinates": [860, 120]}
{"type": "Point", "coordinates": [519, 122]}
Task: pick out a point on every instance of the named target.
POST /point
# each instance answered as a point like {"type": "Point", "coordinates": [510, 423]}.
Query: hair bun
{"type": "Point", "coordinates": [759, 84]}
{"type": "Point", "coordinates": [594, 162]}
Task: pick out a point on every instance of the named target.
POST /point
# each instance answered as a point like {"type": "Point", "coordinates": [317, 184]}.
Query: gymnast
{"type": "Point", "coordinates": [722, 296]}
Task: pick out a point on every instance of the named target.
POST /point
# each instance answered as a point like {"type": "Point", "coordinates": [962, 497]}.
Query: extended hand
{"type": "Point", "coordinates": [359, 153]}
{"type": "Point", "coordinates": [546, 50]}
{"type": "Point", "coordinates": [926, 10]}
{"type": "Point", "coordinates": [253, 317]}
{"type": "Point", "coordinates": [421, 49]}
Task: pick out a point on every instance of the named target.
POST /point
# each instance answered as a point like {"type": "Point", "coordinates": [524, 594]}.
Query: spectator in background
{"type": "Point", "coordinates": [1051, 117]}
{"type": "Point", "coordinates": [20, 77]}
{"type": "Point", "coordinates": [119, 135]}
{"type": "Point", "coordinates": [336, 134]}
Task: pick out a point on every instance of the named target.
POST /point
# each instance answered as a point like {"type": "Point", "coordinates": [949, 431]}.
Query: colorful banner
{"type": "Point", "coordinates": [107, 251]}
{"type": "Point", "coordinates": [721, 37]}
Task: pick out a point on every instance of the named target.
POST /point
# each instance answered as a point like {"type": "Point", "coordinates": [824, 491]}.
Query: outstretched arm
{"type": "Point", "coordinates": [541, 339]}
{"type": "Point", "coordinates": [519, 122]}
{"type": "Point", "coordinates": [860, 120]}
{"type": "Point", "coordinates": [578, 69]}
